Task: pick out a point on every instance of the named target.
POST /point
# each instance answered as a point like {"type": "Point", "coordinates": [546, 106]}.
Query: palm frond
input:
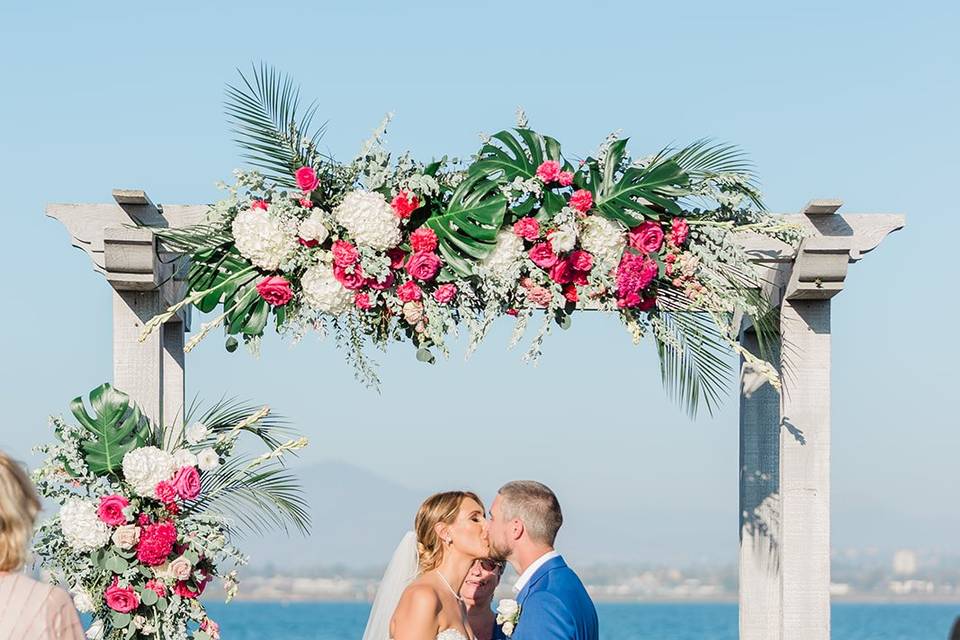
{"type": "Point", "coordinates": [194, 238]}
{"type": "Point", "coordinates": [704, 158]}
{"type": "Point", "coordinates": [227, 413]}
{"type": "Point", "coordinates": [263, 112]}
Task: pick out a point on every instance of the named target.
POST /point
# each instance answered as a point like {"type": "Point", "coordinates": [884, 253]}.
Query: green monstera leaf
{"type": "Point", "coordinates": [467, 228]}
{"type": "Point", "coordinates": [116, 427]}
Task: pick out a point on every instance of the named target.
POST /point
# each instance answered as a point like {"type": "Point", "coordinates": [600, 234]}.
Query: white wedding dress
{"type": "Point", "coordinates": [451, 634]}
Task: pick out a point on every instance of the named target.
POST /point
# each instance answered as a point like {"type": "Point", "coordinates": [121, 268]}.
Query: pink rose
{"type": "Point", "coordinates": [570, 292]}
{"type": "Point", "coordinates": [361, 301]}
{"type": "Point", "coordinates": [397, 257]}
{"type": "Point", "coordinates": [165, 492]}
{"type": "Point", "coordinates": [542, 255]}
{"type": "Point", "coordinates": [409, 291]}
{"type": "Point", "coordinates": [275, 290]}
{"type": "Point", "coordinates": [445, 293]}
{"type": "Point", "coordinates": [423, 239]}
{"type": "Point", "coordinates": [581, 200]}
{"type": "Point", "coordinates": [565, 178]}
{"type": "Point", "coordinates": [381, 285]}
{"type": "Point", "coordinates": [679, 230]}
{"type": "Point", "coordinates": [184, 590]}
{"type": "Point", "coordinates": [539, 296]}
{"type": "Point", "coordinates": [187, 482]}
{"type": "Point", "coordinates": [180, 568]}
{"type": "Point", "coordinates": [351, 280]}
{"type": "Point", "coordinates": [111, 510]}
{"type": "Point", "coordinates": [581, 260]}
{"type": "Point", "coordinates": [548, 171]}
{"type": "Point", "coordinates": [527, 228]}
{"type": "Point", "coordinates": [344, 253]}
{"type": "Point", "coordinates": [423, 265]}
{"type": "Point", "coordinates": [121, 599]}
{"type": "Point", "coordinates": [259, 204]}
{"type": "Point", "coordinates": [156, 586]}
{"type": "Point", "coordinates": [306, 179]}
{"type": "Point", "coordinates": [647, 237]}
{"type": "Point", "coordinates": [405, 203]}
{"type": "Point", "coordinates": [562, 272]}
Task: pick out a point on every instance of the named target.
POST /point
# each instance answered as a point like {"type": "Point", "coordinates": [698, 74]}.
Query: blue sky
{"type": "Point", "coordinates": [848, 100]}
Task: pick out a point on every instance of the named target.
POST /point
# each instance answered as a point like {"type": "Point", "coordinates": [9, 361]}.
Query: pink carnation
{"type": "Point", "coordinates": [156, 543]}
{"type": "Point", "coordinates": [646, 237]}
{"type": "Point", "coordinates": [121, 599]}
{"type": "Point", "coordinates": [361, 300]}
{"type": "Point", "coordinates": [307, 179]}
{"type": "Point", "coordinates": [527, 228]}
{"type": "Point", "coordinates": [306, 203]}
{"type": "Point", "coordinates": [157, 587]}
{"type": "Point", "coordinates": [165, 492]}
{"type": "Point", "coordinates": [275, 290]}
{"type": "Point", "coordinates": [542, 255]}
{"type": "Point", "coordinates": [679, 231]}
{"type": "Point", "coordinates": [565, 178]}
{"type": "Point", "coordinates": [548, 171]}
{"type": "Point", "coordinates": [423, 265]}
{"type": "Point", "coordinates": [581, 200]}
{"type": "Point", "coordinates": [351, 280]}
{"type": "Point", "coordinates": [540, 296]}
{"type": "Point", "coordinates": [344, 253]}
{"type": "Point", "coordinates": [409, 291]}
{"type": "Point", "coordinates": [111, 510]}
{"type": "Point", "coordinates": [423, 239]}
{"type": "Point", "coordinates": [634, 274]}
{"type": "Point", "coordinates": [445, 293]}
{"type": "Point", "coordinates": [405, 203]}
{"type": "Point", "coordinates": [187, 482]}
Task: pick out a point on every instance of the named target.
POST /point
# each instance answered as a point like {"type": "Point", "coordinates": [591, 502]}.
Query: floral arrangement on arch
{"type": "Point", "coordinates": [382, 249]}
{"type": "Point", "coordinates": [147, 515]}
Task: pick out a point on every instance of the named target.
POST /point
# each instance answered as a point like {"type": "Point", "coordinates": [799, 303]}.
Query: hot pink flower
{"type": "Point", "coordinates": [581, 200]}
{"type": "Point", "coordinates": [397, 257]}
{"type": "Point", "coordinates": [259, 204]}
{"type": "Point", "coordinates": [562, 272]}
{"type": "Point", "coordinates": [423, 265]}
{"type": "Point", "coordinates": [156, 586]}
{"type": "Point", "coordinates": [352, 280]}
{"type": "Point", "coordinates": [309, 244]}
{"type": "Point", "coordinates": [381, 285]}
{"type": "Point", "coordinates": [634, 274]}
{"type": "Point", "coordinates": [121, 599]}
{"type": "Point", "coordinates": [405, 203]}
{"type": "Point", "coordinates": [679, 231]}
{"type": "Point", "coordinates": [306, 203]}
{"type": "Point", "coordinates": [647, 237]}
{"type": "Point", "coordinates": [423, 239]}
{"type": "Point", "coordinates": [570, 292]}
{"type": "Point", "coordinates": [165, 492]}
{"type": "Point", "coordinates": [646, 304]}
{"type": "Point", "coordinates": [527, 228]}
{"type": "Point", "coordinates": [344, 253]}
{"type": "Point", "coordinates": [409, 291]}
{"type": "Point", "coordinates": [275, 290]}
{"type": "Point", "coordinates": [540, 296]}
{"type": "Point", "coordinates": [548, 171]}
{"type": "Point", "coordinates": [542, 255]}
{"type": "Point", "coordinates": [184, 590]}
{"type": "Point", "coordinates": [581, 260]}
{"type": "Point", "coordinates": [111, 510]}
{"type": "Point", "coordinates": [580, 277]}
{"type": "Point", "coordinates": [565, 178]}
{"type": "Point", "coordinates": [445, 293]}
{"type": "Point", "coordinates": [143, 519]}
{"type": "Point", "coordinates": [306, 179]}
{"type": "Point", "coordinates": [187, 482]}
{"type": "Point", "coordinates": [156, 543]}
{"type": "Point", "coordinates": [361, 300]}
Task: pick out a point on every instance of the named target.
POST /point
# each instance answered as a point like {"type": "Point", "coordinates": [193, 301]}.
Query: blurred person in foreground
{"type": "Point", "coordinates": [477, 595]}
{"type": "Point", "coordinates": [29, 610]}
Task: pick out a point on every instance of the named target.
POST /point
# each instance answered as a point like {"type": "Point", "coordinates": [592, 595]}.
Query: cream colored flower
{"type": "Point", "coordinates": [126, 536]}
{"type": "Point", "coordinates": [369, 219]}
{"type": "Point", "coordinates": [181, 568]}
{"type": "Point", "coordinates": [208, 460]}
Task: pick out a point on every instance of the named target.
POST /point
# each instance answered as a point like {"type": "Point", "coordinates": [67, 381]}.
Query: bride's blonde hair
{"type": "Point", "coordinates": [440, 507]}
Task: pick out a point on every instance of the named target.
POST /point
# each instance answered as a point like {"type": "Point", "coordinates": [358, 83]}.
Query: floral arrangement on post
{"type": "Point", "coordinates": [147, 514]}
{"type": "Point", "coordinates": [376, 250]}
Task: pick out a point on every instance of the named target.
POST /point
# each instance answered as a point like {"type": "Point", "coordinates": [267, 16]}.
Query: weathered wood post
{"type": "Point", "coordinates": [785, 439]}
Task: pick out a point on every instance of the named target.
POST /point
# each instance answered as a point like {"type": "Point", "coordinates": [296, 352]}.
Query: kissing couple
{"type": "Point", "coordinates": [441, 579]}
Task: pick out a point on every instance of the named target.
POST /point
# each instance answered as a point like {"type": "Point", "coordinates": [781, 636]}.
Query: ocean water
{"type": "Point", "coordinates": [345, 621]}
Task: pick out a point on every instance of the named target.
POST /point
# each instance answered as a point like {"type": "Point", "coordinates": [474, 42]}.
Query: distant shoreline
{"type": "Point", "coordinates": [863, 599]}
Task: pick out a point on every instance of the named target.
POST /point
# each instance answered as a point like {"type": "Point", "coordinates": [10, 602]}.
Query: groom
{"type": "Point", "coordinates": [554, 605]}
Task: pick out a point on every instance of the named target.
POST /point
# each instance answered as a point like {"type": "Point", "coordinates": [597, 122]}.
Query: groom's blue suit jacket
{"type": "Point", "coordinates": [554, 605]}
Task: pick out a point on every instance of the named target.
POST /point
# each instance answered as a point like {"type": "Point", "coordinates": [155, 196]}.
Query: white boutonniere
{"type": "Point", "coordinates": [508, 615]}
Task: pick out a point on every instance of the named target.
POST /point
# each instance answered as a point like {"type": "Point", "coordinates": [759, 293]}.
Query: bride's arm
{"type": "Point", "coordinates": [416, 614]}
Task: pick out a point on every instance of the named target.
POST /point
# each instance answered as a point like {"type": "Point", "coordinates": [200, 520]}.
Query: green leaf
{"type": "Point", "coordinates": [148, 597]}
{"type": "Point", "coordinates": [424, 355]}
{"type": "Point", "coordinates": [120, 620]}
{"type": "Point", "coordinates": [519, 156]}
{"type": "Point", "coordinates": [116, 428]}
{"type": "Point", "coordinates": [116, 564]}
{"type": "Point", "coordinates": [162, 604]}
{"type": "Point", "coordinates": [231, 344]}
{"type": "Point", "coordinates": [467, 229]}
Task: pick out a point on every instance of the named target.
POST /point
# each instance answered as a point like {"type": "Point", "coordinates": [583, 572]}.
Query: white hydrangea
{"type": "Point", "coordinates": [184, 458]}
{"type": "Point", "coordinates": [563, 238]}
{"type": "Point", "coordinates": [196, 432]}
{"type": "Point", "coordinates": [82, 528]}
{"type": "Point", "coordinates": [605, 239]}
{"type": "Point", "coordinates": [369, 219]}
{"type": "Point", "coordinates": [504, 256]}
{"type": "Point", "coordinates": [82, 600]}
{"type": "Point", "coordinates": [264, 240]}
{"type": "Point", "coordinates": [323, 292]}
{"type": "Point", "coordinates": [313, 228]}
{"type": "Point", "coordinates": [143, 468]}
{"type": "Point", "coordinates": [208, 460]}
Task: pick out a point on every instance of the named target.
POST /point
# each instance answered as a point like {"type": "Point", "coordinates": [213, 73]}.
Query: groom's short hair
{"type": "Point", "coordinates": [536, 505]}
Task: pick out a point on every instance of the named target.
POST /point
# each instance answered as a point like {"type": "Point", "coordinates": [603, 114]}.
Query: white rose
{"type": "Point", "coordinates": [82, 528]}
{"type": "Point", "coordinates": [181, 568]}
{"type": "Point", "coordinates": [95, 632]}
{"type": "Point", "coordinates": [143, 468]}
{"type": "Point", "coordinates": [507, 629]}
{"type": "Point", "coordinates": [507, 608]}
{"type": "Point", "coordinates": [82, 600]}
{"type": "Point", "coordinates": [184, 458]}
{"type": "Point", "coordinates": [369, 219]}
{"type": "Point", "coordinates": [313, 227]}
{"type": "Point", "coordinates": [208, 460]}
{"type": "Point", "coordinates": [197, 432]}
{"type": "Point", "coordinates": [126, 536]}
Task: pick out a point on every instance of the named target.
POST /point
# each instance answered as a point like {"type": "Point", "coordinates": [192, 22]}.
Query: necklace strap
{"type": "Point", "coordinates": [446, 582]}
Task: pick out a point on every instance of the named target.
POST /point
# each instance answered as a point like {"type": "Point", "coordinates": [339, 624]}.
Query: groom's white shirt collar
{"type": "Point", "coordinates": [532, 569]}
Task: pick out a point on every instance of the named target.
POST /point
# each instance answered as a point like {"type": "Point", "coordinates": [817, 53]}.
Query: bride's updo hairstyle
{"type": "Point", "coordinates": [440, 507]}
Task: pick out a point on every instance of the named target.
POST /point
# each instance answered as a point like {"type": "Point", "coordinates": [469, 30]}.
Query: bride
{"type": "Point", "coordinates": [418, 598]}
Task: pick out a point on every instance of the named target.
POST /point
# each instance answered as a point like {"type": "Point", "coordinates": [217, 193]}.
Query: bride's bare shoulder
{"type": "Point", "coordinates": [420, 598]}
